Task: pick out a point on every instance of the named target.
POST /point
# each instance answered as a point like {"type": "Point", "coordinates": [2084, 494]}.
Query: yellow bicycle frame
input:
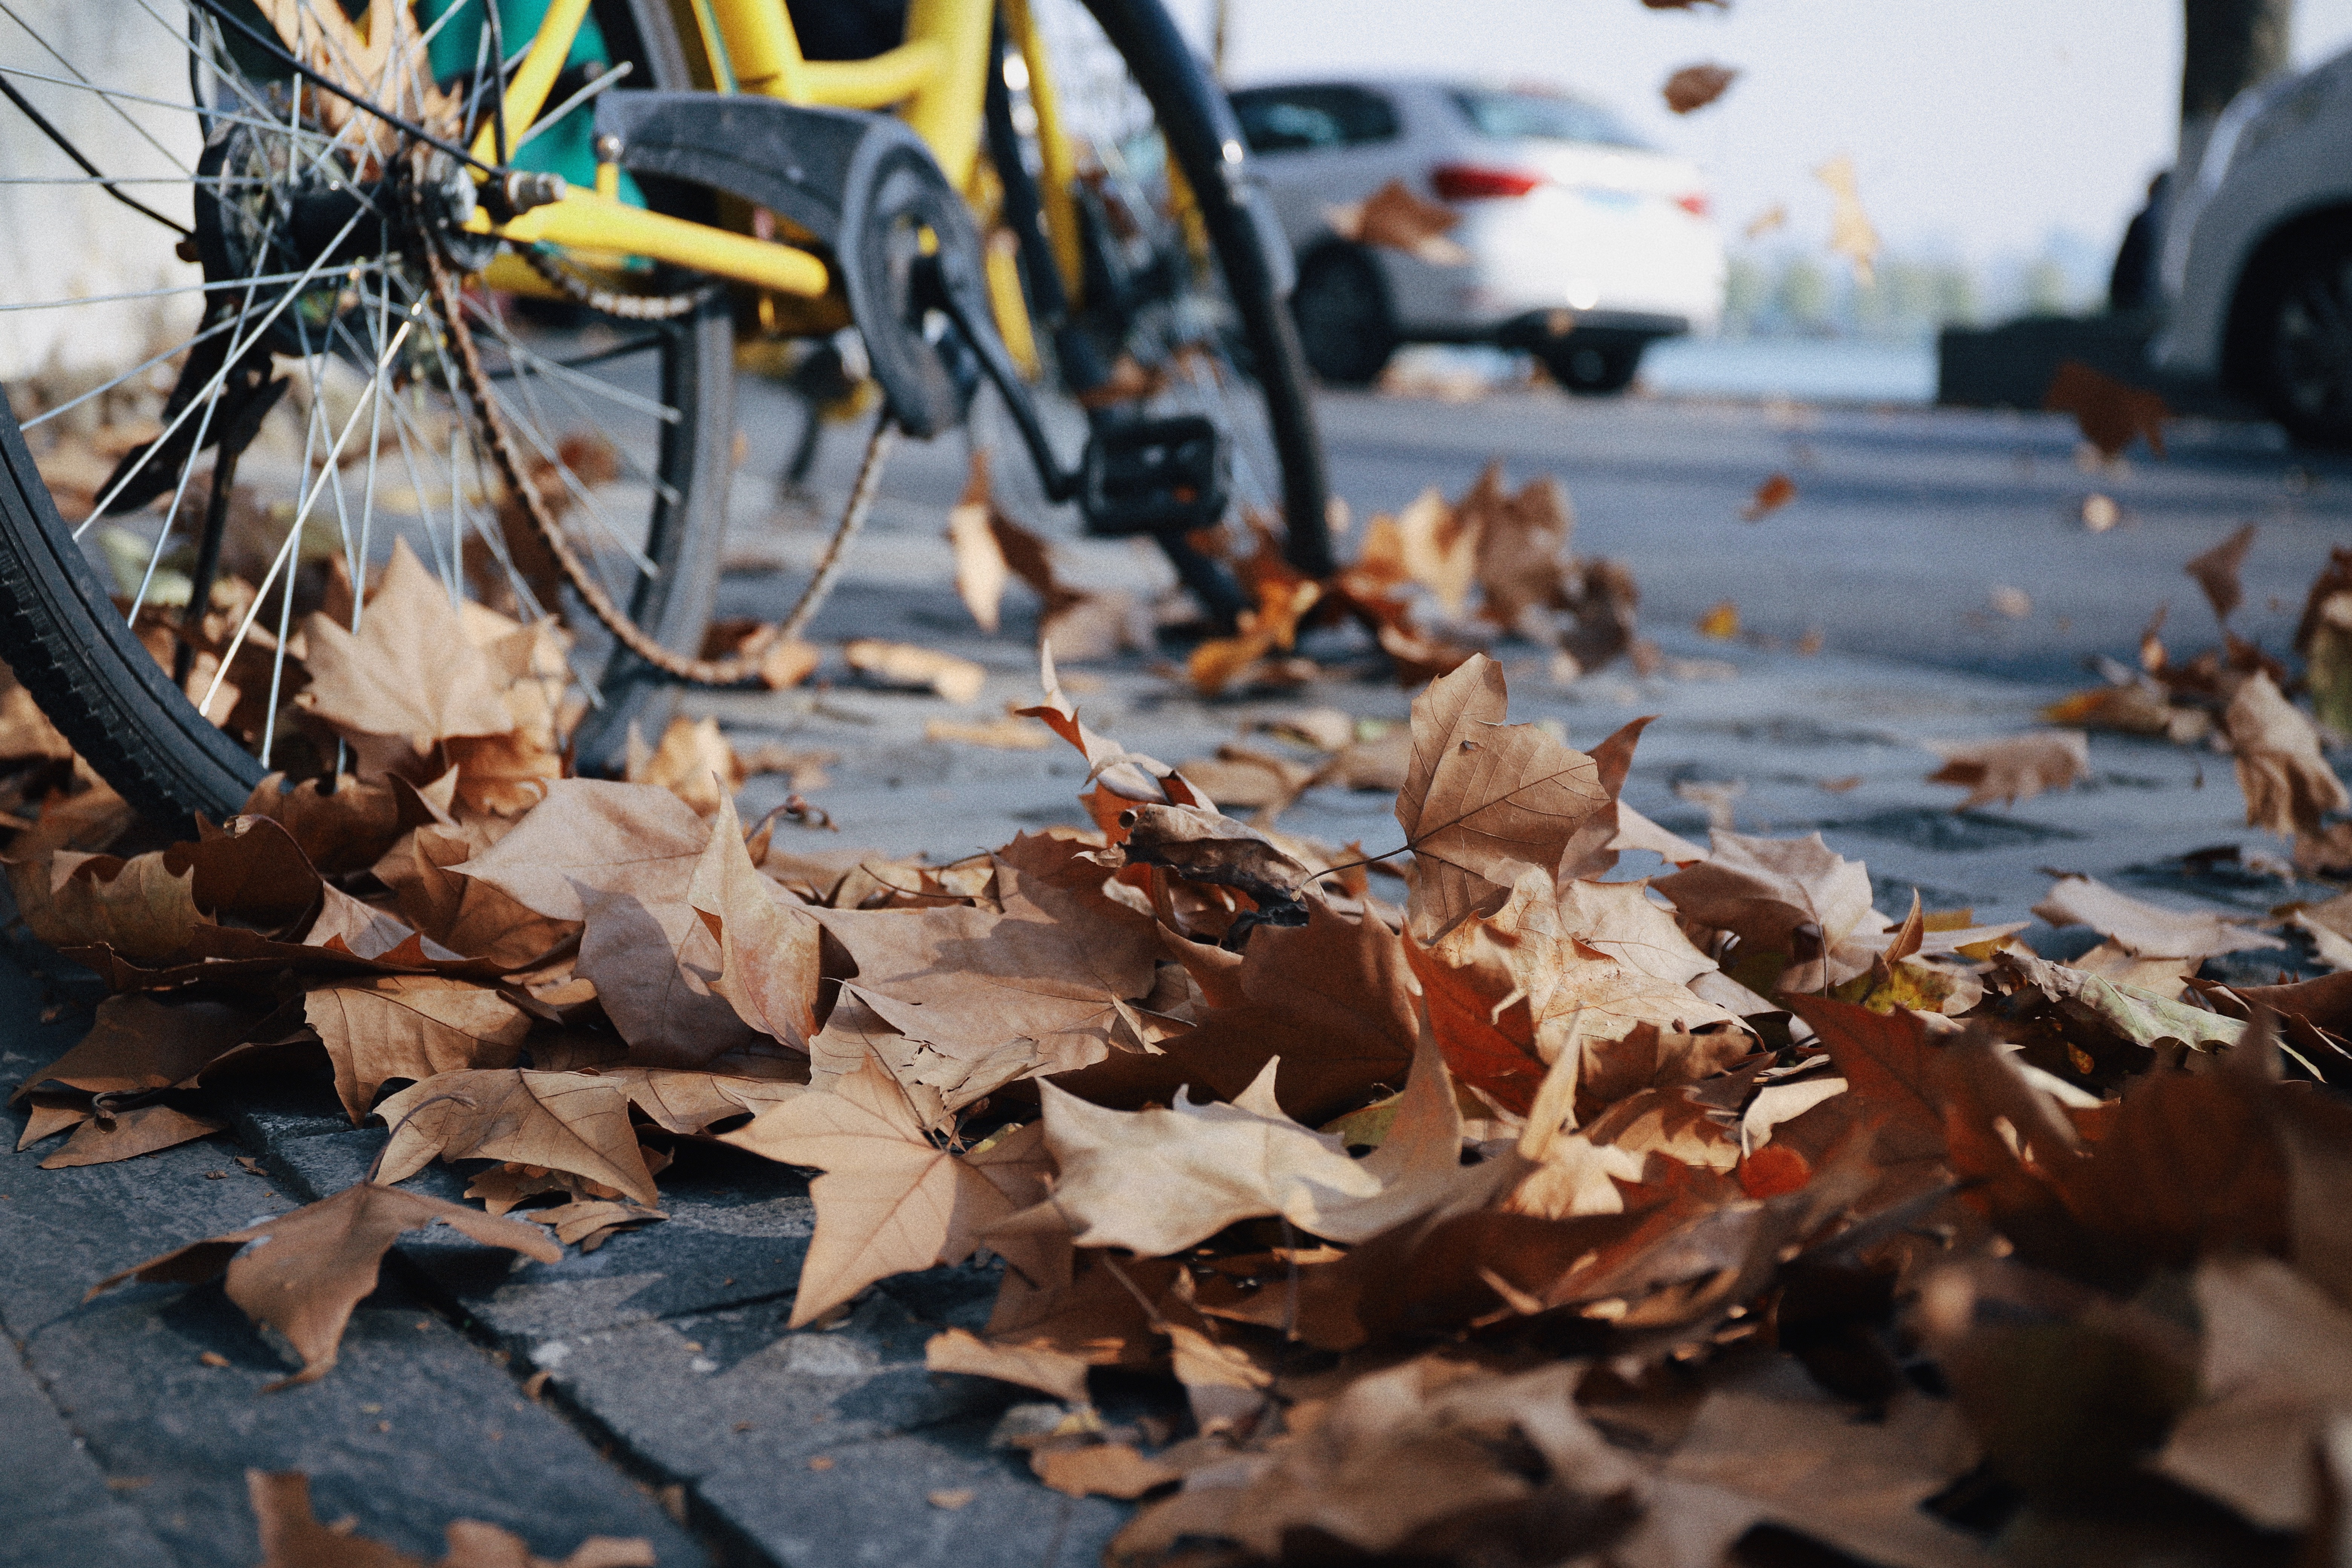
{"type": "Point", "coordinates": [936, 78]}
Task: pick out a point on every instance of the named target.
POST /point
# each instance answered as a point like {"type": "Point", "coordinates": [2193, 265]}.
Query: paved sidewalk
{"type": "Point", "coordinates": [675, 1405]}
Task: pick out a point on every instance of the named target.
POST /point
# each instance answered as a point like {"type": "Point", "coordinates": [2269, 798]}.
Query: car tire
{"type": "Point", "coordinates": [1590, 369]}
{"type": "Point", "coordinates": [1345, 325]}
{"type": "Point", "coordinates": [2298, 319]}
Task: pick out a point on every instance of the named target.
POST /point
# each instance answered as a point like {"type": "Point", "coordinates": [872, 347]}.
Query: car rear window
{"type": "Point", "coordinates": [1511, 115]}
{"type": "Point", "coordinates": [1304, 118]}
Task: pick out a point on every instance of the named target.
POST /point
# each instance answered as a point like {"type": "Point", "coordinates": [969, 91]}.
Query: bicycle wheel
{"type": "Point", "coordinates": [1181, 274]}
{"type": "Point", "coordinates": [254, 352]}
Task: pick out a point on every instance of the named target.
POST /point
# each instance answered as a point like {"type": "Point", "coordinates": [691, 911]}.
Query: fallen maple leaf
{"type": "Point", "coordinates": [2216, 571]}
{"type": "Point", "coordinates": [1791, 896]}
{"type": "Point", "coordinates": [2276, 1371]}
{"type": "Point", "coordinates": [142, 908]}
{"type": "Point", "coordinates": [1102, 1469]}
{"type": "Point", "coordinates": [1048, 1372]}
{"type": "Point", "coordinates": [981, 572]}
{"type": "Point", "coordinates": [768, 944]}
{"type": "Point", "coordinates": [320, 1261]}
{"type": "Point", "coordinates": [2288, 785]}
{"type": "Point", "coordinates": [891, 1201]}
{"type": "Point", "coordinates": [572, 1122]}
{"type": "Point", "coordinates": [1775, 491]}
{"type": "Point", "coordinates": [1003, 733]}
{"type": "Point", "coordinates": [293, 1537]}
{"type": "Point", "coordinates": [109, 1135]}
{"type": "Point", "coordinates": [1484, 799]}
{"type": "Point", "coordinates": [1158, 1181]}
{"type": "Point", "coordinates": [409, 672]}
{"type": "Point", "coordinates": [140, 1043]}
{"type": "Point", "coordinates": [464, 913]}
{"type": "Point", "coordinates": [1695, 87]}
{"type": "Point", "coordinates": [589, 1223]}
{"type": "Point", "coordinates": [2142, 928]}
{"type": "Point", "coordinates": [656, 964]}
{"type": "Point", "coordinates": [2109, 412]}
{"type": "Point", "coordinates": [591, 834]}
{"type": "Point", "coordinates": [692, 760]}
{"type": "Point", "coordinates": [348, 824]}
{"type": "Point", "coordinates": [409, 1026]}
{"type": "Point", "coordinates": [2015, 768]}
{"type": "Point", "coordinates": [1579, 970]}
{"type": "Point", "coordinates": [903, 664]}
{"type": "Point", "coordinates": [1034, 986]}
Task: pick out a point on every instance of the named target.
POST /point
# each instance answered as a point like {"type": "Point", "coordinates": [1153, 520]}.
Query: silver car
{"type": "Point", "coordinates": [2257, 259]}
{"type": "Point", "coordinates": [1577, 241]}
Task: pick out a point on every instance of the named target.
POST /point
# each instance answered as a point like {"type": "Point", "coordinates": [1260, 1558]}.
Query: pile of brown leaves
{"type": "Point", "coordinates": [1433, 584]}
{"type": "Point", "coordinates": [1542, 1219]}
{"type": "Point", "coordinates": [2237, 700]}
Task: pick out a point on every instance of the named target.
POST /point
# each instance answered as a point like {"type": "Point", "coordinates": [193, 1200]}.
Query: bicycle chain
{"type": "Point", "coordinates": [735, 671]}
{"type": "Point", "coordinates": [614, 301]}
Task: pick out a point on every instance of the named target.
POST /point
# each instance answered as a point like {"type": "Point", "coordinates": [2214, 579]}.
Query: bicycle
{"type": "Point", "coordinates": [426, 285]}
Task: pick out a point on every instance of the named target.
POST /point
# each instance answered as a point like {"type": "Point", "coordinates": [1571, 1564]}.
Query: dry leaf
{"type": "Point", "coordinates": [768, 943]}
{"type": "Point", "coordinates": [142, 908]}
{"type": "Point", "coordinates": [1695, 87]}
{"type": "Point", "coordinates": [1484, 799]}
{"type": "Point", "coordinates": [693, 761]}
{"type": "Point", "coordinates": [903, 664]}
{"type": "Point", "coordinates": [572, 1122]}
{"type": "Point", "coordinates": [891, 1201]}
{"type": "Point", "coordinates": [320, 1261]}
{"type": "Point", "coordinates": [1037, 985]}
{"type": "Point", "coordinates": [2109, 412]}
{"type": "Point", "coordinates": [1791, 896]}
{"type": "Point", "coordinates": [1004, 733]}
{"type": "Point", "coordinates": [2288, 786]}
{"type": "Point", "coordinates": [1774, 493]}
{"type": "Point", "coordinates": [2142, 928]}
{"type": "Point", "coordinates": [1048, 1372]}
{"type": "Point", "coordinates": [1850, 233]}
{"type": "Point", "coordinates": [588, 1223]}
{"type": "Point", "coordinates": [293, 1537]}
{"type": "Point", "coordinates": [2217, 570]}
{"type": "Point", "coordinates": [409, 1026]}
{"type": "Point", "coordinates": [1102, 1469]}
{"type": "Point", "coordinates": [140, 1043]}
{"type": "Point", "coordinates": [2015, 768]}
{"type": "Point", "coordinates": [1394, 217]}
{"type": "Point", "coordinates": [410, 671]}
{"type": "Point", "coordinates": [980, 573]}
{"type": "Point", "coordinates": [124, 1135]}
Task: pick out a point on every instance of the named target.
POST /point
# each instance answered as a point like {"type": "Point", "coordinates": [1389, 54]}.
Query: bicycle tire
{"type": "Point", "coordinates": [1206, 140]}
{"type": "Point", "coordinates": [71, 646]}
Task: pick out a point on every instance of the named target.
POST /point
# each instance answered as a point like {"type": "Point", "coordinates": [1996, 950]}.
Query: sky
{"type": "Point", "coordinates": [1979, 128]}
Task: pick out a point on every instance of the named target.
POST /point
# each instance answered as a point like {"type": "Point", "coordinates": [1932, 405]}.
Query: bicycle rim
{"type": "Point", "coordinates": [282, 236]}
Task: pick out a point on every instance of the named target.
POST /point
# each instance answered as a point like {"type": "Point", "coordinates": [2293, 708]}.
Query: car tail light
{"type": "Point", "coordinates": [1695, 203]}
{"type": "Point", "coordinates": [1469, 183]}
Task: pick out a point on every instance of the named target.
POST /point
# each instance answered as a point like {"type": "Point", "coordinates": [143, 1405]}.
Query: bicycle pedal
{"type": "Point", "coordinates": [1156, 475]}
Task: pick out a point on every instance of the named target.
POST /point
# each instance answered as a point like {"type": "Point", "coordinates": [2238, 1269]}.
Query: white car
{"type": "Point", "coordinates": [2256, 269]}
{"type": "Point", "coordinates": [1583, 242]}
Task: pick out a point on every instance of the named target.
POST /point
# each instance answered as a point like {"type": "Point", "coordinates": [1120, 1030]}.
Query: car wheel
{"type": "Point", "coordinates": [1592, 370]}
{"type": "Point", "coordinates": [2301, 367]}
{"type": "Point", "coordinates": [1341, 305]}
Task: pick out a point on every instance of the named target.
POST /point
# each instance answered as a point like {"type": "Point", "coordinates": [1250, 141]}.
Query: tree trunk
{"type": "Point", "coordinates": [2228, 46]}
